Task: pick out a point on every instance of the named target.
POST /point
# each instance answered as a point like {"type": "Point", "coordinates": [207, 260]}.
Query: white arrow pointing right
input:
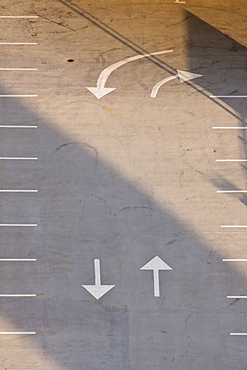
{"type": "Point", "coordinates": [156, 264]}
{"type": "Point", "coordinates": [182, 75]}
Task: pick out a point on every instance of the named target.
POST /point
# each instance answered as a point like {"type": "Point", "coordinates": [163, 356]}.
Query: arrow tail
{"type": "Point", "coordinates": [159, 84]}
{"type": "Point", "coordinates": [156, 283]}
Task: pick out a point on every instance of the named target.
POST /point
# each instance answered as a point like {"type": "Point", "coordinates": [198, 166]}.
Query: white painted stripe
{"type": "Point", "coordinates": [17, 126]}
{"type": "Point", "coordinates": [18, 69]}
{"type": "Point", "coordinates": [18, 259]}
{"type": "Point", "coordinates": [238, 333]}
{"type": "Point", "coordinates": [231, 191]}
{"type": "Point", "coordinates": [228, 96]}
{"type": "Point", "coordinates": [237, 296]}
{"type": "Point", "coordinates": [235, 260]}
{"type": "Point", "coordinates": [18, 43]}
{"type": "Point", "coordinates": [18, 295]}
{"type": "Point", "coordinates": [18, 191]}
{"type": "Point", "coordinates": [18, 96]}
{"type": "Point", "coordinates": [18, 16]}
{"type": "Point", "coordinates": [18, 225]}
{"type": "Point", "coordinates": [20, 158]}
{"type": "Point", "coordinates": [17, 332]}
{"type": "Point", "coordinates": [230, 128]}
{"type": "Point", "coordinates": [233, 226]}
{"type": "Point", "coordinates": [231, 160]}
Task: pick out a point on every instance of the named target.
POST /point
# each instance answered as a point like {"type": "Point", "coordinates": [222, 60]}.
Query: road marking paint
{"type": "Point", "coordinates": [18, 96]}
{"type": "Point", "coordinates": [18, 43]}
{"type": "Point", "coordinates": [17, 332]}
{"type": "Point", "coordinates": [17, 126]}
{"type": "Point", "coordinates": [233, 226]}
{"type": "Point", "coordinates": [18, 259]}
{"type": "Point", "coordinates": [238, 333]}
{"type": "Point", "coordinates": [231, 160]}
{"type": "Point", "coordinates": [18, 295]}
{"type": "Point", "coordinates": [237, 296]}
{"type": "Point", "coordinates": [100, 90]}
{"type": "Point", "coordinates": [18, 16]}
{"type": "Point", "coordinates": [18, 191]}
{"type": "Point", "coordinates": [20, 158]}
{"type": "Point", "coordinates": [231, 191]}
{"type": "Point", "coordinates": [228, 96]}
{"type": "Point", "coordinates": [18, 69]}
{"type": "Point", "coordinates": [18, 225]}
{"type": "Point", "coordinates": [229, 128]}
{"type": "Point", "coordinates": [235, 260]}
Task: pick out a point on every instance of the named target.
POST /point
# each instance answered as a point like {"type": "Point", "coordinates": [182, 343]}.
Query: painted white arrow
{"type": "Point", "coordinates": [100, 90]}
{"type": "Point", "coordinates": [156, 264]}
{"type": "Point", "coordinates": [97, 290]}
{"type": "Point", "coordinates": [182, 75]}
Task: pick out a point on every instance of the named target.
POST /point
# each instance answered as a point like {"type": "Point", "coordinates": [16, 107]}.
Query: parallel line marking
{"type": "Point", "coordinates": [20, 158]}
{"type": "Point", "coordinates": [231, 191]}
{"type": "Point", "coordinates": [18, 295]}
{"type": "Point", "coordinates": [238, 333]}
{"type": "Point", "coordinates": [18, 259]}
{"type": "Point", "coordinates": [18, 43]}
{"type": "Point", "coordinates": [18, 16]}
{"type": "Point", "coordinates": [230, 128]}
{"type": "Point", "coordinates": [17, 332]}
{"type": "Point", "coordinates": [18, 225]}
{"type": "Point", "coordinates": [235, 260]}
{"type": "Point", "coordinates": [237, 296]}
{"type": "Point", "coordinates": [17, 126]}
{"type": "Point", "coordinates": [233, 226]}
{"type": "Point", "coordinates": [18, 96]}
{"type": "Point", "coordinates": [18, 191]}
{"type": "Point", "coordinates": [228, 96]}
{"type": "Point", "coordinates": [231, 160]}
{"type": "Point", "coordinates": [18, 69]}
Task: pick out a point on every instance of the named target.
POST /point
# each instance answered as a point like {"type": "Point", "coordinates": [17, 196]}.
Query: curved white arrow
{"type": "Point", "coordinates": [156, 264]}
{"type": "Point", "coordinates": [182, 75]}
{"type": "Point", "coordinates": [97, 290]}
{"type": "Point", "coordinates": [100, 90]}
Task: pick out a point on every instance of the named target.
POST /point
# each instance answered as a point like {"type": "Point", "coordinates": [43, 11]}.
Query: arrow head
{"type": "Point", "coordinates": [98, 290]}
{"type": "Point", "coordinates": [156, 264]}
{"type": "Point", "coordinates": [99, 92]}
{"type": "Point", "coordinates": [186, 76]}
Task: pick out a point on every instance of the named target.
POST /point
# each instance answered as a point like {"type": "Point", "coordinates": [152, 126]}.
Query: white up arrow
{"type": "Point", "coordinates": [156, 264]}
{"type": "Point", "coordinates": [182, 75]}
{"type": "Point", "coordinates": [97, 290]}
{"type": "Point", "coordinates": [100, 90]}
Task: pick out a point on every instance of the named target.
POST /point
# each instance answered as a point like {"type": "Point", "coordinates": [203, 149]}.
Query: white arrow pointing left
{"type": "Point", "coordinates": [100, 90]}
{"type": "Point", "coordinates": [156, 264]}
{"type": "Point", "coordinates": [98, 290]}
{"type": "Point", "coordinates": [182, 75]}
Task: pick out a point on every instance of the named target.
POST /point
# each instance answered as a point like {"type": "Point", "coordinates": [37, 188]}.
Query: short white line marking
{"type": "Point", "coordinates": [20, 158]}
{"type": "Point", "coordinates": [18, 16]}
{"type": "Point", "coordinates": [228, 96]}
{"type": "Point", "coordinates": [235, 260]}
{"type": "Point", "coordinates": [237, 296]}
{"type": "Point", "coordinates": [17, 332]}
{"type": "Point", "coordinates": [18, 43]}
{"type": "Point", "coordinates": [230, 128]}
{"type": "Point", "coordinates": [18, 259]}
{"type": "Point", "coordinates": [18, 96]}
{"type": "Point", "coordinates": [231, 191]}
{"type": "Point", "coordinates": [18, 191]}
{"type": "Point", "coordinates": [18, 69]}
{"type": "Point", "coordinates": [17, 126]}
{"type": "Point", "coordinates": [18, 295]}
{"type": "Point", "coordinates": [233, 226]}
{"type": "Point", "coordinates": [231, 160]}
{"type": "Point", "coordinates": [238, 333]}
{"type": "Point", "coordinates": [18, 225]}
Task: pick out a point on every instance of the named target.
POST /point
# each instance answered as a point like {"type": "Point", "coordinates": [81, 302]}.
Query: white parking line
{"type": "Point", "coordinates": [18, 69]}
{"type": "Point", "coordinates": [231, 191]}
{"type": "Point", "coordinates": [17, 332]}
{"type": "Point", "coordinates": [233, 226]}
{"type": "Point", "coordinates": [237, 296]}
{"type": "Point", "coordinates": [238, 333]}
{"type": "Point", "coordinates": [18, 225]}
{"type": "Point", "coordinates": [17, 126]}
{"type": "Point", "coordinates": [18, 259]}
{"type": "Point", "coordinates": [235, 260]}
{"type": "Point", "coordinates": [228, 96]}
{"type": "Point", "coordinates": [18, 43]}
{"type": "Point", "coordinates": [18, 96]}
{"type": "Point", "coordinates": [18, 16]}
{"type": "Point", "coordinates": [18, 191]}
{"type": "Point", "coordinates": [20, 158]}
{"type": "Point", "coordinates": [231, 160]}
{"type": "Point", "coordinates": [18, 295]}
{"type": "Point", "coordinates": [229, 128]}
